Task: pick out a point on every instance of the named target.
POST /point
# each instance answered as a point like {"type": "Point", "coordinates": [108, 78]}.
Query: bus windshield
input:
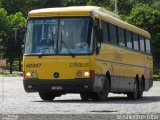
{"type": "Point", "coordinates": [59, 36]}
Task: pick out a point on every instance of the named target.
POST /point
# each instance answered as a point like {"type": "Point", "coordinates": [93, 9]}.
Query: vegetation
{"type": "Point", "coordinates": [8, 23]}
{"type": "Point", "coordinates": [148, 18]}
{"type": "Point", "coordinates": [7, 74]}
{"type": "Point", "coordinates": [142, 13]}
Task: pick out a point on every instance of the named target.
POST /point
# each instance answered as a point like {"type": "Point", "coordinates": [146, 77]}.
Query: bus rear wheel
{"type": "Point", "coordinates": [47, 96]}
{"type": "Point", "coordinates": [140, 89]}
{"type": "Point", "coordinates": [133, 95]}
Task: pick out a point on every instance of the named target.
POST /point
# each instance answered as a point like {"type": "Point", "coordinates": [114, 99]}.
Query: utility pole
{"type": "Point", "coordinates": [116, 9]}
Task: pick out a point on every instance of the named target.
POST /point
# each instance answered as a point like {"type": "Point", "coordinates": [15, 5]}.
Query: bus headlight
{"type": "Point", "coordinates": [86, 74]}
{"type": "Point", "coordinates": [83, 74]}
{"type": "Point", "coordinates": [28, 74]}
{"type": "Point", "coordinates": [31, 75]}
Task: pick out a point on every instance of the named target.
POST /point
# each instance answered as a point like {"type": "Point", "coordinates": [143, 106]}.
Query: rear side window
{"type": "Point", "coordinates": [148, 46]}
{"type": "Point", "coordinates": [105, 31]}
{"type": "Point", "coordinates": [129, 39]}
{"type": "Point", "coordinates": [121, 36]}
{"type": "Point", "coordinates": [113, 33]}
{"type": "Point", "coordinates": [135, 41]}
{"type": "Point", "coordinates": [142, 47]}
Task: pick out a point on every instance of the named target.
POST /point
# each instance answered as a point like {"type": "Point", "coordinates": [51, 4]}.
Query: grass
{"type": "Point", "coordinates": [7, 74]}
{"type": "Point", "coordinates": [156, 78]}
{"type": "Point", "coordinates": [156, 74]}
{"type": "Point", "coordinates": [5, 71]}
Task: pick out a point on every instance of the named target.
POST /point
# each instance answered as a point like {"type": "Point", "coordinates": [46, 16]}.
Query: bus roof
{"type": "Point", "coordinates": [87, 11]}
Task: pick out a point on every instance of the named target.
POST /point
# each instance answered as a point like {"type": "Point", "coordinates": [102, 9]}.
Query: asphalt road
{"type": "Point", "coordinates": [15, 102]}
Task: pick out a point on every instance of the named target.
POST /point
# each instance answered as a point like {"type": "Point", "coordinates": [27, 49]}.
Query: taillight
{"type": "Point", "coordinates": [92, 73]}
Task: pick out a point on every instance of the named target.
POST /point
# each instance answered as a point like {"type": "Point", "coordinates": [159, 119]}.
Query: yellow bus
{"type": "Point", "coordinates": [86, 50]}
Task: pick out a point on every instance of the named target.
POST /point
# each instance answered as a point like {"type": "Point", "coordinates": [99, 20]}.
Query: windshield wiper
{"type": "Point", "coordinates": [66, 47]}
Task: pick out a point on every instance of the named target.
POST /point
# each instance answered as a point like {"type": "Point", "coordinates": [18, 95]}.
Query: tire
{"type": "Point", "coordinates": [140, 89]}
{"type": "Point", "coordinates": [133, 95]}
{"type": "Point", "coordinates": [84, 96]}
{"type": "Point", "coordinates": [102, 96]}
{"type": "Point", "coordinates": [46, 96]}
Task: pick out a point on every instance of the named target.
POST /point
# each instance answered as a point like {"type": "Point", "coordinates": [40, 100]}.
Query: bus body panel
{"type": "Point", "coordinates": [123, 66]}
{"type": "Point", "coordinates": [59, 86]}
{"type": "Point", "coordinates": [66, 66]}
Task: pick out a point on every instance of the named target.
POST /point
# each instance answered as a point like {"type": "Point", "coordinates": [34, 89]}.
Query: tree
{"type": "Point", "coordinates": [146, 2]}
{"type": "Point", "coordinates": [53, 3]}
{"type": "Point", "coordinates": [124, 7]}
{"type": "Point", "coordinates": [11, 48]}
{"type": "Point", "coordinates": [148, 18]}
{"type": "Point", "coordinates": [14, 6]}
{"type": "Point", "coordinates": [102, 3]}
{"type": "Point", "coordinates": [74, 2]}
{"type": "Point", "coordinates": [3, 24]}
{"type": "Point", "coordinates": [24, 6]}
{"type": "Point", "coordinates": [156, 5]}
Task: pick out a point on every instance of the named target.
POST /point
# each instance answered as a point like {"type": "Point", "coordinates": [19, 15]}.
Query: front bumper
{"type": "Point", "coordinates": [68, 86]}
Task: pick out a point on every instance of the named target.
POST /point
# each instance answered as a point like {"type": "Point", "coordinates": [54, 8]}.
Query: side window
{"type": "Point", "coordinates": [148, 46]}
{"type": "Point", "coordinates": [121, 36]}
{"type": "Point", "coordinates": [129, 39]}
{"type": "Point", "coordinates": [142, 47]}
{"type": "Point", "coordinates": [135, 41]}
{"type": "Point", "coordinates": [113, 33]}
{"type": "Point", "coordinates": [105, 31]}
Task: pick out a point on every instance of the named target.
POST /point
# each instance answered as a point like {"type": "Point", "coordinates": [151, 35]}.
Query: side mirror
{"type": "Point", "coordinates": [17, 35]}
{"type": "Point", "coordinates": [98, 47]}
{"type": "Point", "coordinates": [100, 35]}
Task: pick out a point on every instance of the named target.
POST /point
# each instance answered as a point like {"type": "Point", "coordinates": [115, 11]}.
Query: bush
{"type": "Point", "coordinates": [156, 74]}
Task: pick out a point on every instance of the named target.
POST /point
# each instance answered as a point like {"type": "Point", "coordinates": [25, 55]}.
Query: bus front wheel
{"type": "Point", "coordinates": [84, 96]}
{"type": "Point", "coordinates": [47, 96]}
{"type": "Point", "coordinates": [102, 96]}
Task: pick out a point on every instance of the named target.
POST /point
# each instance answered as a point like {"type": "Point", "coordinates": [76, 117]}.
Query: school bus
{"type": "Point", "coordinates": [86, 50]}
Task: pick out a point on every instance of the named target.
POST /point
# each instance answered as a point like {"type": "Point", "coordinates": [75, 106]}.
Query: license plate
{"type": "Point", "coordinates": [57, 87]}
